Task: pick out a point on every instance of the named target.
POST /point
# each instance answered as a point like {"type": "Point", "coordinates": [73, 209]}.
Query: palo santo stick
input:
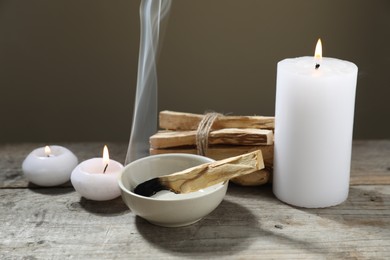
{"type": "Point", "coordinates": [232, 136]}
{"type": "Point", "coordinates": [188, 121]}
{"type": "Point", "coordinates": [219, 152]}
{"type": "Point", "coordinates": [204, 175]}
{"type": "Point", "coordinates": [253, 179]}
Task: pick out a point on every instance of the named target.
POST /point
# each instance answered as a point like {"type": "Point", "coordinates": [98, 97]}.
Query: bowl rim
{"type": "Point", "coordinates": [185, 155]}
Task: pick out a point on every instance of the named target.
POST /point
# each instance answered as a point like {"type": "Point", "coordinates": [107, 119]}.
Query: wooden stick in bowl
{"type": "Point", "coordinates": [203, 175]}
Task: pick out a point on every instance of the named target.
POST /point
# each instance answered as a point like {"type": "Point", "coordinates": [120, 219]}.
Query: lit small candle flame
{"type": "Point", "coordinates": [47, 151]}
{"type": "Point", "coordinates": [318, 54]}
{"type": "Point", "coordinates": [106, 158]}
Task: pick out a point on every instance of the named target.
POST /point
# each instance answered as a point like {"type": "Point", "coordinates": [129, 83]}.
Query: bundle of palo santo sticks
{"type": "Point", "coordinates": [228, 136]}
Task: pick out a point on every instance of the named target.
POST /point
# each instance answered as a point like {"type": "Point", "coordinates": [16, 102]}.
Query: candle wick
{"type": "Point", "coordinates": [105, 168]}
{"type": "Point", "coordinates": [317, 66]}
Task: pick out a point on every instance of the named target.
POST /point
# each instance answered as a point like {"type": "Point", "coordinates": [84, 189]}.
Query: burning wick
{"type": "Point", "coordinates": [106, 158]}
{"type": "Point", "coordinates": [47, 151]}
{"type": "Point", "coordinates": [318, 54]}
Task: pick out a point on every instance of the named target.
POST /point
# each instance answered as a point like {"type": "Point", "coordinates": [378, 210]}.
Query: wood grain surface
{"type": "Point", "coordinates": [250, 223]}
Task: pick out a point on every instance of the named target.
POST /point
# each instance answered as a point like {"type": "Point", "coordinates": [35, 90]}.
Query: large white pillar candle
{"type": "Point", "coordinates": [314, 113]}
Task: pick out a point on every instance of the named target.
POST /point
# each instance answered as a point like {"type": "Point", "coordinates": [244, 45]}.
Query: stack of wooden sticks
{"type": "Point", "coordinates": [229, 136]}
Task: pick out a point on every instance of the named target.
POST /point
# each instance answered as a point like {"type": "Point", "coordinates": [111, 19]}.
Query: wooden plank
{"type": "Point", "coordinates": [249, 224]}
{"type": "Point", "coordinates": [370, 160]}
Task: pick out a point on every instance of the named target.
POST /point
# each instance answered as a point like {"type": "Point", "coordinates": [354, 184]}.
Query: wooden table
{"type": "Point", "coordinates": [55, 223]}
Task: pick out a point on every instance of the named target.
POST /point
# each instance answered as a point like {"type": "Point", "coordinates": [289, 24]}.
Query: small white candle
{"type": "Point", "coordinates": [49, 166]}
{"type": "Point", "coordinates": [314, 114]}
{"type": "Point", "coordinates": [96, 178]}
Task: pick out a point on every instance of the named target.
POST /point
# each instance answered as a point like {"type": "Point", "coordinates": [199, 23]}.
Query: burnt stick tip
{"type": "Point", "coordinates": [149, 187]}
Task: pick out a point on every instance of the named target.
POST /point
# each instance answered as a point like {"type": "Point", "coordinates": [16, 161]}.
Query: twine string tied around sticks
{"type": "Point", "coordinates": [203, 131]}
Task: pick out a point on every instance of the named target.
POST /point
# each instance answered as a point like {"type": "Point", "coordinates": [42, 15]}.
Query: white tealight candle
{"type": "Point", "coordinates": [49, 166]}
{"type": "Point", "coordinates": [314, 114]}
{"type": "Point", "coordinates": [96, 178]}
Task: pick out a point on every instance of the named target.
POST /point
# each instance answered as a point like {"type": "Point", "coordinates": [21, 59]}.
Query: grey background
{"type": "Point", "coordinates": [68, 68]}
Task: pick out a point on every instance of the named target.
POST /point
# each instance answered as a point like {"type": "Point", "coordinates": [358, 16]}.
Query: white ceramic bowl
{"type": "Point", "coordinates": [166, 208]}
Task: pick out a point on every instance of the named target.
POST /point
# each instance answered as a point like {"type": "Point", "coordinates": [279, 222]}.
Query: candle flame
{"type": "Point", "coordinates": [47, 150]}
{"type": "Point", "coordinates": [318, 51]}
{"type": "Point", "coordinates": [106, 156]}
